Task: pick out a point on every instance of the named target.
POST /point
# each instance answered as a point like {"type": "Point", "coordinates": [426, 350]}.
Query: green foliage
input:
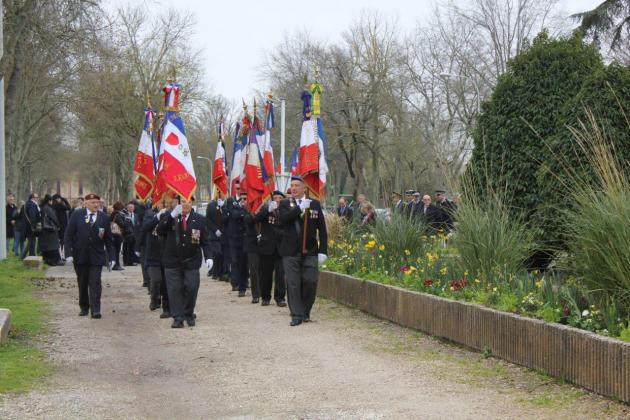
{"type": "Point", "coordinates": [567, 164]}
{"type": "Point", "coordinates": [625, 333]}
{"type": "Point", "coordinates": [522, 113]}
{"type": "Point", "coordinates": [21, 363]}
{"type": "Point", "coordinates": [490, 239]}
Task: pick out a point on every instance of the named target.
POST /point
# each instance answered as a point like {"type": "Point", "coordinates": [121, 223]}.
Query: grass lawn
{"type": "Point", "coordinates": [22, 364]}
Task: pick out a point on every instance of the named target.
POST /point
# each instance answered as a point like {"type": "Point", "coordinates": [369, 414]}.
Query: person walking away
{"type": "Point", "coordinates": [62, 208]}
{"type": "Point", "coordinates": [89, 242]}
{"type": "Point", "coordinates": [186, 237]}
{"type": "Point", "coordinates": [32, 216]}
{"type": "Point", "coordinates": [270, 260]}
{"type": "Point", "coordinates": [49, 238]}
{"type": "Point", "coordinates": [447, 211]}
{"type": "Point", "coordinates": [117, 227]}
{"type": "Point", "coordinates": [430, 215]}
{"type": "Point", "coordinates": [11, 214]}
{"type": "Point", "coordinates": [303, 224]}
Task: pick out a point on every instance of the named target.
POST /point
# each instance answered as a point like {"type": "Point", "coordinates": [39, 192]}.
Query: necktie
{"type": "Point", "coordinates": [184, 223]}
{"type": "Point", "coordinates": [91, 218]}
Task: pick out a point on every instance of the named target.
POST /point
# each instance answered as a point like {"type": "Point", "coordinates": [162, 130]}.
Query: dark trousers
{"type": "Point", "coordinates": [253, 262]}
{"type": "Point", "coordinates": [182, 286]}
{"type": "Point", "coordinates": [118, 240]}
{"type": "Point", "coordinates": [270, 265]}
{"type": "Point", "coordinates": [225, 251]}
{"type": "Point", "coordinates": [89, 280]}
{"type": "Point", "coordinates": [238, 262]}
{"type": "Point", "coordinates": [301, 274]}
{"type": "Point", "coordinates": [157, 287]}
{"type": "Point", "coordinates": [146, 278]}
{"type": "Point", "coordinates": [129, 257]}
{"type": "Point", "coordinates": [31, 246]}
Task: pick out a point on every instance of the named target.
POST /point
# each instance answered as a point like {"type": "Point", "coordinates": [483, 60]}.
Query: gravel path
{"type": "Point", "coordinates": [244, 361]}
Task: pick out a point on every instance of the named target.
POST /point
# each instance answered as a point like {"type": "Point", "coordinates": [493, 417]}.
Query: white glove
{"type": "Point", "coordinates": [218, 233]}
{"type": "Point", "coordinates": [176, 211]}
{"type": "Point", "coordinates": [69, 259]}
{"type": "Point", "coordinates": [209, 263]}
{"type": "Point", "coordinates": [111, 264]}
{"type": "Point", "coordinates": [272, 206]}
{"type": "Point", "coordinates": [137, 253]}
{"type": "Point", "coordinates": [321, 258]}
{"type": "Point", "coordinates": [220, 202]}
{"type": "Point", "coordinates": [306, 203]}
{"type": "Point", "coordinates": [160, 213]}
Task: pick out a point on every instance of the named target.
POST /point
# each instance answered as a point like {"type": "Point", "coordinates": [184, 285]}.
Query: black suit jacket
{"type": "Point", "coordinates": [345, 213]}
{"type": "Point", "coordinates": [89, 244]}
{"type": "Point", "coordinates": [182, 248]}
{"type": "Point", "coordinates": [32, 216]}
{"type": "Point", "coordinates": [217, 220]}
{"type": "Point", "coordinates": [270, 230]}
{"type": "Point", "coordinates": [236, 225]}
{"type": "Point", "coordinates": [292, 221]}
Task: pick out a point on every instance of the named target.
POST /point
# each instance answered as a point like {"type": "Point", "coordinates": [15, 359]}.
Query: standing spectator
{"type": "Point", "coordinates": [447, 211]}
{"type": "Point", "coordinates": [430, 215]}
{"type": "Point", "coordinates": [344, 211]}
{"type": "Point", "coordinates": [414, 207]}
{"type": "Point", "coordinates": [62, 208]}
{"type": "Point", "coordinates": [368, 213]}
{"type": "Point", "coordinates": [32, 217]}
{"type": "Point", "coordinates": [49, 237]}
{"type": "Point", "coordinates": [117, 227]}
{"type": "Point", "coordinates": [19, 231]}
{"type": "Point", "coordinates": [11, 214]}
{"type": "Point", "coordinates": [217, 217]}
{"type": "Point", "coordinates": [398, 206]}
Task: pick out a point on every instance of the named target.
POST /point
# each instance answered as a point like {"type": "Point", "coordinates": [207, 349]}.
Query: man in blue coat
{"type": "Point", "coordinates": [89, 243]}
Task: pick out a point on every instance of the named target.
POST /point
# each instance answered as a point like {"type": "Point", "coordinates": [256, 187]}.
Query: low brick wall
{"type": "Point", "coordinates": [597, 363]}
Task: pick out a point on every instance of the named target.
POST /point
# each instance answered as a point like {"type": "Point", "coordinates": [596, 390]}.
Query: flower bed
{"type": "Point", "coordinates": [433, 267]}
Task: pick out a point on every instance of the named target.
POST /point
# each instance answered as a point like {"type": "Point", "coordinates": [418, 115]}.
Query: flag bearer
{"type": "Point", "coordinates": [303, 224]}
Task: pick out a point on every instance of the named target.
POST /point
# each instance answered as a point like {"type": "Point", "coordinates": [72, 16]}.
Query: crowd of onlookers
{"type": "Point", "coordinates": [438, 216]}
{"type": "Point", "coordinates": [37, 227]}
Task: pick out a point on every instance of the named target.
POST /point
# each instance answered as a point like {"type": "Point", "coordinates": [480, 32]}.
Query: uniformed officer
{"type": "Point", "coordinates": [186, 236]}
{"type": "Point", "coordinates": [303, 224]}
{"type": "Point", "coordinates": [216, 214]}
{"type": "Point", "coordinates": [89, 241]}
{"type": "Point", "coordinates": [236, 235]}
{"type": "Point", "coordinates": [153, 261]}
{"type": "Point", "coordinates": [268, 243]}
{"type": "Point", "coordinates": [250, 247]}
{"type": "Point", "coordinates": [447, 211]}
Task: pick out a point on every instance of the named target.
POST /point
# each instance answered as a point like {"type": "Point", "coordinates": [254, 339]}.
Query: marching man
{"type": "Point", "coordinates": [303, 224]}
{"type": "Point", "coordinates": [89, 241]}
{"type": "Point", "coordinates": [186, 236]}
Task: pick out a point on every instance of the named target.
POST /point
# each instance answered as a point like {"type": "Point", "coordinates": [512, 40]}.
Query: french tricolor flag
{"type": "Point", "coordinates": [144, 166]}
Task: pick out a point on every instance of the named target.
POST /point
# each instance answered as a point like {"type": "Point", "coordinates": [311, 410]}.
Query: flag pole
{"type": "Point", "coordinates": [282, 143]}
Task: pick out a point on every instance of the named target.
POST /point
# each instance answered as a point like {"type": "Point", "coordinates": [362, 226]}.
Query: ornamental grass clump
{"type": "Point", "coordinates": [599, 222]}
{"type": "Point", "coordinates": [493, 244]}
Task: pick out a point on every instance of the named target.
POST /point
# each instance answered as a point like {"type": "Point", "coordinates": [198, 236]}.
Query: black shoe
{"type": "Point", "coordinates": [153, 306]}
{"type": "Point", "coordinates": [241, 294]}
{"type": "Point", "coordinates": [83, 312]}
{"type": "Point", "coordinates": [307, 318]}
{"type": "Point", "coordinates": [281, 303]}
{"type": "Point", "coordinates": [295, 322]}
{"type": "Point", "coordinates": [144, 284]}
{"type": "Point", "coordinates": [165, 315]}
{"type": "Point", "coordinates": [255, 300]}
{"type": "Point", "coordinates": [190, 321]}
{"type": "Point", "coordinates": [117, 267]}
{"type": "Point", "coordinates": [96, 315]}
{"type": "Point", "coordinates": [265, 303]}
{"type": "Point", "coordinates": [178, 323]}
{"type": "Point", "coordinates": [234, 289]}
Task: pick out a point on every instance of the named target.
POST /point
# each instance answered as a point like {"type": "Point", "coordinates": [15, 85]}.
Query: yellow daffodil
{"type": "Point", "coordinates": [407, 252]}
{"type": "Point", "coordinates": [381, 248]}
{"type": "Point", "coordinates": [444, 270]}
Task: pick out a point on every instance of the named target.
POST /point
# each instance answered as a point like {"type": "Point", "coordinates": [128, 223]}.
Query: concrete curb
{"type": "Point", "coordinates": [598, 363]}
{"type": "Point", "coordinates": [5, 325]}
{"type": "Point", "coordinates": [34, 262]}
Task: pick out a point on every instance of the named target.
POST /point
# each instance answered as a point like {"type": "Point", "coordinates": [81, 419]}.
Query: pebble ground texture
{"type": "Point", "coordinates": [244, 361]}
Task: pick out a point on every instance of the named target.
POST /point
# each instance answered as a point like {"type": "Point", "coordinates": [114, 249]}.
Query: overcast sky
{"type": "Point", "coordinates": [227, 29]}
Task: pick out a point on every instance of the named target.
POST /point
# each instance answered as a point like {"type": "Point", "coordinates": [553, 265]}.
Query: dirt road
{"type": "Point", "coordinates": [245, 361]}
